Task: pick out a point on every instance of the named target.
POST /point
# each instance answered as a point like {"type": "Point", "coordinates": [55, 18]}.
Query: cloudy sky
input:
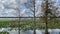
{"type": "Point", "coordinates": [11, 8]}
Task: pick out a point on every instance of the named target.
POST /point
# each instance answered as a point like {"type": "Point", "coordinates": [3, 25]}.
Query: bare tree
{"type": "Point", "coordinates": [32, 8]}
{"type": "Point", "coordinates": [15, 7]}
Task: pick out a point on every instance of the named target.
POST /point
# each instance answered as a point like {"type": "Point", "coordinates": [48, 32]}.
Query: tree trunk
{"type": "Point", "coordinates": [34, 32]}
{"type": "Point", "coordinates": [18, 31]}
{"type": "Point", "coordinates": [46, 29]}
{"type": "Point", "coordinates": [46, 18]}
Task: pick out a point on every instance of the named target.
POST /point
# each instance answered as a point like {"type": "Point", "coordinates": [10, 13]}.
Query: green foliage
{"type": "Point", "coordinates": [4, 33]}
{"type": "Point", "coordinates": [29, 24]}
{"type": "Point", "coordinates": [6, 23]}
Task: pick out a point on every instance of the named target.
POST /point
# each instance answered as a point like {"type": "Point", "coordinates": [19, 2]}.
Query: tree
{"type": "Point", "coordinates": [32, 8]}
{"type": "Point", "coordinates": [16, 7]}
{"type": "Point", "coordinates": [47, 8]}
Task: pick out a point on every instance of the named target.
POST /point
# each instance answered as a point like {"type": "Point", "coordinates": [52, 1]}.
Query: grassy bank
{"type": "Point", "coordinates": [6, 23]}
{"type": "Point", "coordinates": [29, 23]}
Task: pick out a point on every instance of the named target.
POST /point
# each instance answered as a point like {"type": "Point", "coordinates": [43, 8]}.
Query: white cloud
{"type": "Point", "coordinates": [5, 4]}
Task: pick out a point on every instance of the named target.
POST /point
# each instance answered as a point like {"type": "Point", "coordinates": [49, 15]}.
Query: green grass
{"type": "Point", "coordinates": [4, 33]}
{"type": "Point", "coordinates": [6, 23]}
{"type": "Point", "coordinates": [29, 23]}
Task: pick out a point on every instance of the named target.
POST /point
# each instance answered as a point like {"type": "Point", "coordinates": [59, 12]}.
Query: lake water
{"type": "Point", "coordinates": [15, 31]}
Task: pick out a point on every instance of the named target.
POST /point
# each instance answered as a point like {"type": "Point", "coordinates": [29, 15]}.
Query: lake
{"type": "Point", "coordinates": [15, 31]}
